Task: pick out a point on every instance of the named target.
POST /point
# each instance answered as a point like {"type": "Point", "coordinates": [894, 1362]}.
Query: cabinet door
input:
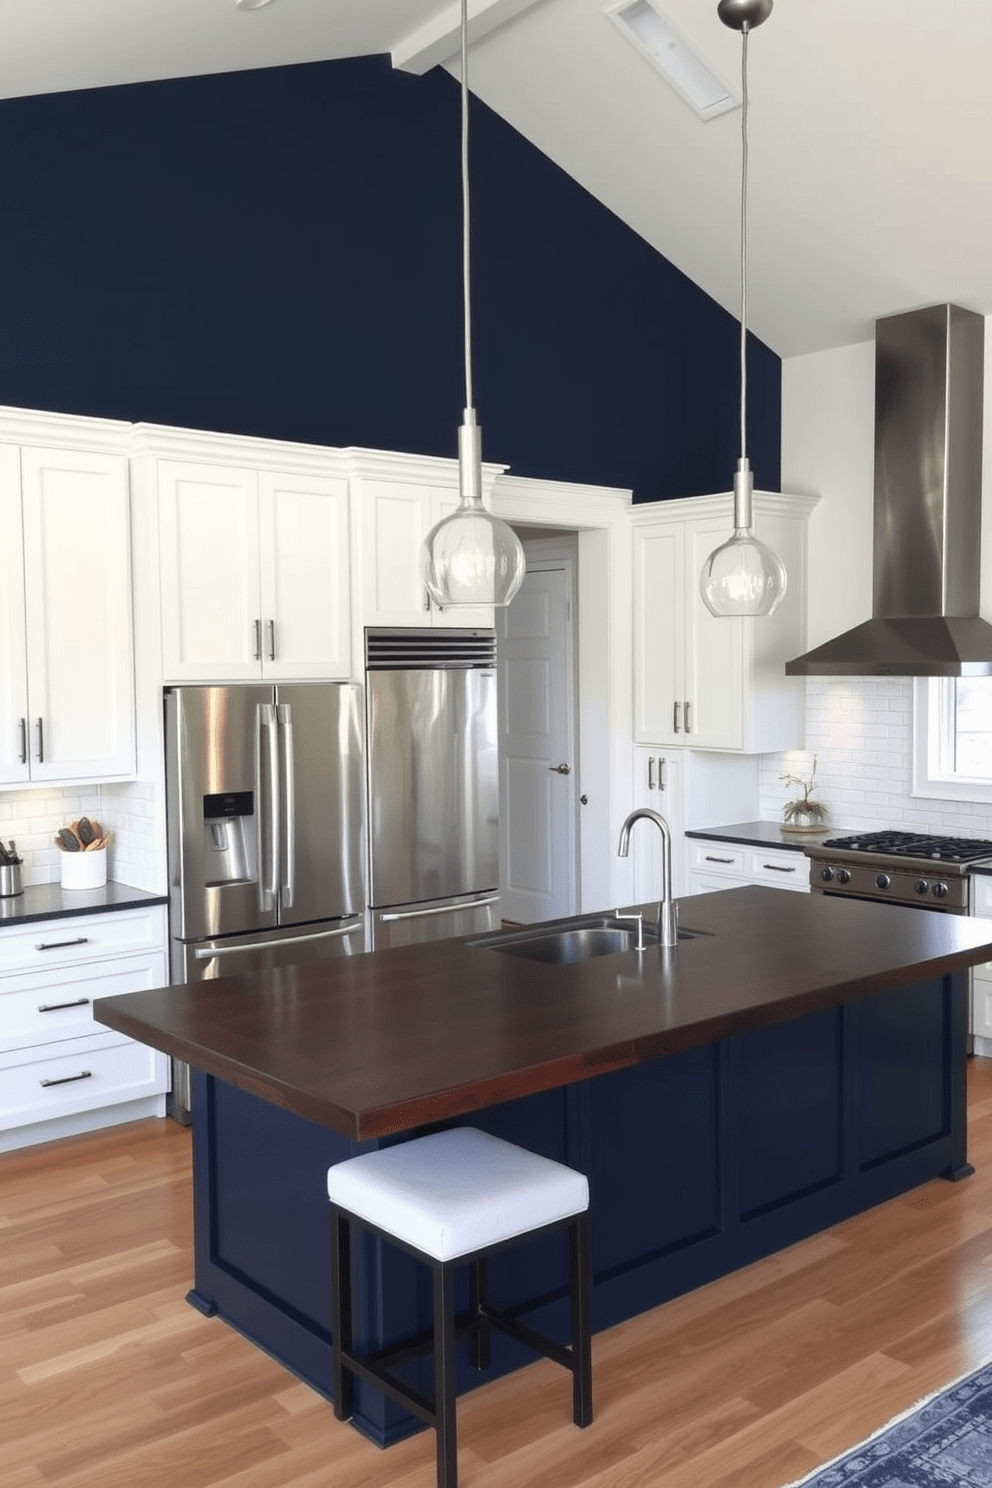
{"type": "Point", "coordinates": [13, 657]}
{"type": "Point", "coordinates": [396, 519]}
{"type": "Point", "coordinates": [657, 785]}
{"type": "Point", "coordinates": [211, 607]}
{"type": "Point", "coordinates": [659, 631]}
{"type": "Point", "coordinates": [443, 503]}
{"type": "Point", "coordinates": [77, 567]}
{"type": "Point", "coordinates": [714, 654]}
{"type": "Point", "coordinates": [305, 570]}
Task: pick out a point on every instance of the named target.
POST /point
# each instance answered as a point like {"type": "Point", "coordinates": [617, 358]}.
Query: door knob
{"type": "Point", "coordinates": [561, 769]}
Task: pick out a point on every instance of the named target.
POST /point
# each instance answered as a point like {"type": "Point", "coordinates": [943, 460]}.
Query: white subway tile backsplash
{"type": "Point", "coordinates": [861, 733]}
{"type": "Point", "coordinates": [32, 817]}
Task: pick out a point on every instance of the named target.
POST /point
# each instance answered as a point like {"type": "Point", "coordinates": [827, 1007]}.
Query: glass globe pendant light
{"type": "Point", "coordinates": [743, 576]}
{"type": "Point", "coordinates": [470, 557]}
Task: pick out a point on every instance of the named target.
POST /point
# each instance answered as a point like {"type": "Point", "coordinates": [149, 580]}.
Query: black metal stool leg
{"type": "Point", "coordinates": [444, 1374]}
{"type": "Point", "coordinates": [479, 1298]}
{"type": "Point", "coordinates": [580, 1294]}
{"type": "Point", "coordinates": [343, 1383]}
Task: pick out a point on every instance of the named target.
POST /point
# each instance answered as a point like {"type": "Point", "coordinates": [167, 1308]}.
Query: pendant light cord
{"type": "Point", "coordinates": [744, 32]}
{"type": "Point", "coordinates": [466, 277]}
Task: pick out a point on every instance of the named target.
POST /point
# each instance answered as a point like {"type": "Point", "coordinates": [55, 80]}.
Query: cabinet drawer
{"type": "Point", "coordinates": [46, 1006]}
{"type": "Point", "coordinates": [711, 883]}
{"type": "Point", "coordinates": [981, 895]}
{"type": "Point", "coordinates": [784, 870]}
{"type": "Point", "coordinates": [77, 1075]}
{"type": "Point", "coordinates": [79, 938]}
{"type": "Point", "coordinates": [718, 857]}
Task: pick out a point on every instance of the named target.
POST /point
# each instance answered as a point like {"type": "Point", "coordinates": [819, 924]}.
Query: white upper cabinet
{"type": "Point", "coordinates": [713, 683]}
{"type": "Point", "coordinates": [67, 680]}
{"type": "Point", "coordinates": [255, 573]}
{"type": "Point", "coordinates": [399, 499]}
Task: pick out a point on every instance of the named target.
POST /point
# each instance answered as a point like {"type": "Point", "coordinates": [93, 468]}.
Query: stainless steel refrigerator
{"type": "Point", "coordinates": [433, 784]}
{"type": "Point", "coordinates": [266, 821]}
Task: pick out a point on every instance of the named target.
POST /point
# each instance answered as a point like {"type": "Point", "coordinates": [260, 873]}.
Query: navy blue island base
{"type": "Point", "coordinates": [698, 1162]}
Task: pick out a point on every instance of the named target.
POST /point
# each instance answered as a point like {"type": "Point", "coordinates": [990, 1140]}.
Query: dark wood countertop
{"type": "Point", "coordinates": [388, 1041]}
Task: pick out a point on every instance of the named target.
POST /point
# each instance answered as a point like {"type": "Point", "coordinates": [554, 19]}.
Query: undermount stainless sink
{"type": "Point", "coordinates": [578, 940]}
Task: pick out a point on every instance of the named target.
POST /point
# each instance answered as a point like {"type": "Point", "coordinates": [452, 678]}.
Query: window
{"type": "Point", "coordinates": [952, 757]}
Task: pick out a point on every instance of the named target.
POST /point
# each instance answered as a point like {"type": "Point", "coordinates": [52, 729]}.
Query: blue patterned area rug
{"type": "Point", "coordinates": [945, 1442]}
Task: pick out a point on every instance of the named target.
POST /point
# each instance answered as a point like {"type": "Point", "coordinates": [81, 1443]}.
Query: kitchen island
{"type": "Point", "coordinates": [796, 1061]}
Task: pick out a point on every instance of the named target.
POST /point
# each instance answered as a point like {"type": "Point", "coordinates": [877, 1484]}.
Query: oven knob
{"type": "Point", "coordinates": [922, 886]}
{"type": "Point", "coordinates": [940, 891]}
{"type": "Point", "coordinates": [882, 880]}
{"type": "Point", "coordinates": [844, 875]}
{"type": "Point", "coordinates": [826, 874]}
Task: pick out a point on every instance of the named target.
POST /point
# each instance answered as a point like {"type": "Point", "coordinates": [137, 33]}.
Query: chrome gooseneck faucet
{"type": "Point", "coordinates": [668, 910]}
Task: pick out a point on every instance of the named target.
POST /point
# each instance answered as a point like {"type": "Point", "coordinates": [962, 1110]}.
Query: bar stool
{"type": "Point", "coordinates": [452, 1199]}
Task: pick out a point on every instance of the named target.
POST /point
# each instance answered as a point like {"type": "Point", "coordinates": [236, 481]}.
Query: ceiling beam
{"type": "Point", "coordinates": [439, 40]}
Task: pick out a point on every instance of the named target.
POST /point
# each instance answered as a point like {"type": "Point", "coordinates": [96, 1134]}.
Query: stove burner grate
{"type": "Point", "coordinates": [915, 845]}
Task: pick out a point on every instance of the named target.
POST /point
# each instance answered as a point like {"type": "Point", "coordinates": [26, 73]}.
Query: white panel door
{"type": "Point", "coordinates": [211, 610]}
{"type": "Point", "coordinates": [537, 801]}
{"type": "Point", "coordinates": [305, 571]}
{"type": "Point", "coordinates": [77, 566]}
{"type": "Point", "coordinates": [13, 657]}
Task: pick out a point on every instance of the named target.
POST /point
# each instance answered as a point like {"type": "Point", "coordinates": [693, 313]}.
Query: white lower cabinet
{"type": "Point", "coordinates": [60, 1071]}
{"type": "Point", "coordinates": [981, 977]}
{"type": "Point", "coordinates": [714, 864]}
{"type": "Point", "coordinates": [658, 786]}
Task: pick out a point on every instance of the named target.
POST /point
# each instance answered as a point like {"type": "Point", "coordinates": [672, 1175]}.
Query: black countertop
{"type": "Point", "coordinates": [52, 902]}
{"type": "Point", "coordinates": [765, 834]}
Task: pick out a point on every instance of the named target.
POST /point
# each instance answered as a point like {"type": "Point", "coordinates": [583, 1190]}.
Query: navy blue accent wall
{"type": "Point", "coordinates": [279, 253]}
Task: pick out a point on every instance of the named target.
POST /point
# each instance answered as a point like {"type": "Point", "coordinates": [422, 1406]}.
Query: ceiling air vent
{"type": "Point", "coordinates": [656, 38]}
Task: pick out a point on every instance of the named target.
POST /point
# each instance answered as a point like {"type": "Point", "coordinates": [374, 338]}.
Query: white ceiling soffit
{"type": "Point", "coordinates": [870, 126]}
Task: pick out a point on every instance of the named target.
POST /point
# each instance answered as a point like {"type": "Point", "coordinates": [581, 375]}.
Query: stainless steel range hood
{"type": "Point", "coordinates": [929, 367]}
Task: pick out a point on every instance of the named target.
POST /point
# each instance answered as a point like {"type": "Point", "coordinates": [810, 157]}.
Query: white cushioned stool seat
{"type": "Point", "coordinates": [456, 1191]}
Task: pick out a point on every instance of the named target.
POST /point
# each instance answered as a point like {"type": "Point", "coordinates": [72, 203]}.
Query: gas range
{"type": "Point", "coordinates": [898, 868]}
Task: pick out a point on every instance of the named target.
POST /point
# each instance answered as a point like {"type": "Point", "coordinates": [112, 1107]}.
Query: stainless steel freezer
{"type": "Point", "coordinates": [266, 821]}
{"type": "Point", "coordinates": [433, 794]}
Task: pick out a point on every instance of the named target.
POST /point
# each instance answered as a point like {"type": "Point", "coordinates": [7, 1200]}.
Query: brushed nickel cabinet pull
{"type": "Point", "coordinates": [650, 772]}
{"type": "Point", "coordinates": [56, 1007]}
{"type": "Point", "coordinates": [258, 640]}
{"type": "Point", "coordinates": [661, 774]}
{"type": "Point", "coordinates": [711, 859]}
{"type": "Point", "coordinates": [68, 1079]}
{"type": "Point", "coordinates": [688, 718]}
{"type": "Point", "coordinates": [778, 868]}
{"type": "Point", "coordinates": [41, 741]}
{"type": "Point", "coordinates": [272, 640]}
{"type": "Point", "coordinates": [676, 722]}
{"type": "Point", "coordinates": [58, 945]}
{"type": "Point", "coordinates": [24, 741]}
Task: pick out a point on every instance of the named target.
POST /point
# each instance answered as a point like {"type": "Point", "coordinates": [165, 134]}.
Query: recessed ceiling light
{"type": "Point", "coordinates": [656, 38]}
{"type": "Point", "coordinates": [251, 4]}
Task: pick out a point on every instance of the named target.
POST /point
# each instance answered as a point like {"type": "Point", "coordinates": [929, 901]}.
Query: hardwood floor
{"type": "Point", "coordinates": [108, 1379]}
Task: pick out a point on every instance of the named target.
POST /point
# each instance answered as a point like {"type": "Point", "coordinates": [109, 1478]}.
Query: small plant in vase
{"type": "Point", "coordinates": [803, 814]}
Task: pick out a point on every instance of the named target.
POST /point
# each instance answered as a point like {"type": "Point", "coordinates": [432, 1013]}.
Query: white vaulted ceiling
{"type": "Point", "coordinates": [870, 126]}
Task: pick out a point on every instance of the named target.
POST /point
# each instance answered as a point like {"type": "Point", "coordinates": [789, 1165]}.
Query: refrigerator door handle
{"type": "Point", "coordinates": [269, 833]}
{"type": "Point", "coordinates": [206, 953]}
{"type": "Point", "coordinates": [287, 889]}
{"type": "Point", "coordinates": [419, 914]}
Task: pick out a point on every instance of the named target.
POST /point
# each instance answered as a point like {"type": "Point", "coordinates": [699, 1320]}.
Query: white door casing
{"type": "Point", "coordinates": [537, 734]}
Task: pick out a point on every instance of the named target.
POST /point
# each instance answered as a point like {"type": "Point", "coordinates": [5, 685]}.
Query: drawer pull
{"type": "Point", "coordinates": [711, 859]}
{"type": "Point", "coordinates": [779, 867]}
{"type": "Point", "coordinates": [56, 1007]}
{"type": "Point", "coordinates": [68, 1079]}
{"type": "Point", "coordinates": [58, 945]}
